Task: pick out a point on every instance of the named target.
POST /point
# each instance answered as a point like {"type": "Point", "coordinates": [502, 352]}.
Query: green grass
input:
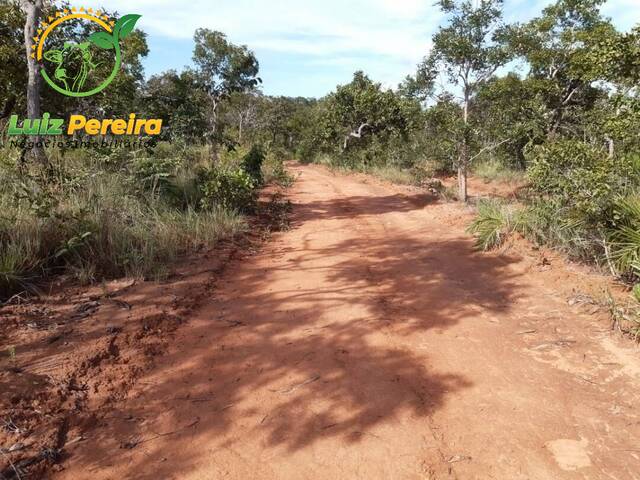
{"type": "Point", "coordinates": [392, 174]}
{"type": "Point", "coordinates": [94, 222]}
{"type": "Point", "coordinates": [495, 171]}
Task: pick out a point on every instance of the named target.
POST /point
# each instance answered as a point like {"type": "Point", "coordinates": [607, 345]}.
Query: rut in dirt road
{"type": "Point", "coordinates": [371, 341]}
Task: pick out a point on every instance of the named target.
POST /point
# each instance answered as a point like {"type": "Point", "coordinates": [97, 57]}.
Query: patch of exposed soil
{"type": "Point", "coordinates": [68, 357]}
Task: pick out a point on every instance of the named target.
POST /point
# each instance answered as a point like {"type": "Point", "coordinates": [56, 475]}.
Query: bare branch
{"type": "Point", "coordinates": [355, 134]}
{"type": "Point", "coordinates": [488, 147]}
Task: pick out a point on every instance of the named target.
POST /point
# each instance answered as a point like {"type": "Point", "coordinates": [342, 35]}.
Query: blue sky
{"type": "Point", "coordinates": [308, 47]}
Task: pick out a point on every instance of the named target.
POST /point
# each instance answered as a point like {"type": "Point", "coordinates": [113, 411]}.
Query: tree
{"type": "Point", "coordinates": [222, 68]}
{"type": "Point", "coordinates": [242, 111]}
{"type": "Point", "coordinates": [469, 50]}
{"type": "Point", "coordinates": [32, 10]}
{"type": "Point", "coordinates": [361, 110]}
{"type": "Point", "coordinates": [510, 114]}
{"type": "Point", "coordinates": [177, 99]}
{"type": "Point", "coordinates": [13, 74]}
{"type": "Point", "coordinates": [556, 47]}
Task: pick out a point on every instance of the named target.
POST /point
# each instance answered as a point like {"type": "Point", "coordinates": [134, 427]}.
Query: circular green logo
{"type": "Point", "coordinates": [73, 64]}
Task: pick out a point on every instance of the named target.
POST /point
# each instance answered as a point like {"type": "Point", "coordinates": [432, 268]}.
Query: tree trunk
{"type": "Point", "coordinates": [33, 10]}
{"type": "Point", "coordinates": [240, 129]}
{"type": "Point", "coordinates": [464, 154]}
{"type": "Point", "coordinates": [610, 146]}
{"type": "Point", "coordinates": [213, 123]}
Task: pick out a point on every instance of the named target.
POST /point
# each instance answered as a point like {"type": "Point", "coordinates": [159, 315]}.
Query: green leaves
{"type": "Point", "coordinates": [125, 25]}
{"type": "Point", "coordinates": [102, 40]}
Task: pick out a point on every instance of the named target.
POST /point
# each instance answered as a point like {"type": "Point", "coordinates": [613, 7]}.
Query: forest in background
{"type": "Point", "coordinates": [552, 103]}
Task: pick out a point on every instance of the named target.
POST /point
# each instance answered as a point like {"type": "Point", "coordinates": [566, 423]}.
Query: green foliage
{"type": "Point", "coordinates": [252, 164]}
{"type": "Point", "coordinates": [358, 121]}
{"type": "Point", "coordinates": [545, 223]}
{"type": "Point", "coordinates": [154, 174]}
{"type": "Point", "coordinates": [228, 188]}
{"type": "Point", "coordinates": [624, 236]}
{"type": "Point", "coordinates": [222, 66]}
{"type": "Point", "coordinates": [493, 223]}
{"type": "Point", "coordinates": [579, 176]}
{"type": "Point", "coordinates": [95, 222]}
{"type": "Point", "coordinates": [178, 101]}
{"type": "Point", "coordinates": [273, 171]}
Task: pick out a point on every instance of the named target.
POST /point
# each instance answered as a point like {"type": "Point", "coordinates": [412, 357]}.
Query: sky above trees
{"type": "Point", "coordinates": [307, 48]}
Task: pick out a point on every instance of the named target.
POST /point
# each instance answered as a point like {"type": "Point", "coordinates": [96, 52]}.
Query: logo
{"type": "Point", "coordinates": [79, 50]}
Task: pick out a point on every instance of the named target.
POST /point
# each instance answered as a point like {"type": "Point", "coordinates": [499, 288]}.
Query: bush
{"type": "Point", "coordinates": [153, 174]}
{"type": "Point", "coordinates": [83, 217]}
{"type": "Point", "coordinates": [228, 188]}
{"type": "Point", "coordinates": [273, 171]}
{"type": "Point", "coordinates": [624, 237]}
{"type": "Point", "coordinates": [579, 176]}
{"type": "Point", "coordinates": [252, 164]}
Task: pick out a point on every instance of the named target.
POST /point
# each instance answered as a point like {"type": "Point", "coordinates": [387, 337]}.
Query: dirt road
{"type": "Point", "coordinates": [371, 341]}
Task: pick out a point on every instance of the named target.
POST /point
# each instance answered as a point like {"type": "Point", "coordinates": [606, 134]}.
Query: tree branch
{"type": "Point", "coordinates": [355, 134]}
{"type": "Point", "coordinates": [488, 147]}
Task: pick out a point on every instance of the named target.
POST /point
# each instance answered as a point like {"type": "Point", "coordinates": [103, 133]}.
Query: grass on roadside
{"type": "Point", "coordinates": [496, 171]}
{"type": "Point", "coordinates": [494, 221]}
{"type": "Point", "coordinates": [122, 215]}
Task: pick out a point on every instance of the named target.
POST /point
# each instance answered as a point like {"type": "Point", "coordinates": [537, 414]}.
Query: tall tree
{"type": "Point", "coordinates": [223, 68]}
{"type": "Point", "coordinates": [33, 11]}
{"type": "Point", "coordinates": [555, 46]}
{"type": "Point", "coordinates": [13, 75]}
{"type": "Point", "coordinates": [469, 50]}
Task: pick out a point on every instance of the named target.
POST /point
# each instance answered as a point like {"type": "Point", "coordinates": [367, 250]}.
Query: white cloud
{"type": "Point", "coordinates": [384, 37]}
{"type": "Point", "coordinates": [398, 28]}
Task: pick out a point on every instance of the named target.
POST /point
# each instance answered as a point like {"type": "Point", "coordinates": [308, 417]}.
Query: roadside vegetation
{"type": "Point", "coordinates": [100, 213]}
{"type": "Point", "coordinates": [550, 105]}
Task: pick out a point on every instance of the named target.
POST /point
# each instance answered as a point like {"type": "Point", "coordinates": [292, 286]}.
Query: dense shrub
{"type": "Point", "coordinates": [83, 217]}
{"type": "Point", "coordinates": [580, 178]}
{"type": "Point", "coordinates": [228, 188]}
{"type": "Point", "coordinates": [494, 222]}
{"type": "Point", "coordinates": [252, 164]}
{"type": "Point", "coordinates": [624, 236]}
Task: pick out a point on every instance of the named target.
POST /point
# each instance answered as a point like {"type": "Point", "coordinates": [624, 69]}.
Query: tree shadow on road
{"type": "Point", "coordinates": [305, 344]}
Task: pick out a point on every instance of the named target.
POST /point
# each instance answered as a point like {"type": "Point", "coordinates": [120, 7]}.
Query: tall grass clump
{"type": "Point", "coordinates": [95, 217]}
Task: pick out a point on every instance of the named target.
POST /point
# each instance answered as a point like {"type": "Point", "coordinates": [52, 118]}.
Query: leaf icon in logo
{"type": "Point", "coordinates": [102, 40]}
{"type": "Point", "coordinates": [125, 25]}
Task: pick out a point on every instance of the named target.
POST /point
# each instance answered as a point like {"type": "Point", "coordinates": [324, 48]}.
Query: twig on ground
{"type": "Point", "coordinates": [134, 443]}
{"type": "Point", "coordinates": [11, 464]}
{"type": "Point", "coordinates": [297, 385]}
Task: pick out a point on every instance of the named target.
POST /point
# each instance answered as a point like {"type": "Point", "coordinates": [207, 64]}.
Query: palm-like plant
{"type": "Point", "coordinates": [624, 239]}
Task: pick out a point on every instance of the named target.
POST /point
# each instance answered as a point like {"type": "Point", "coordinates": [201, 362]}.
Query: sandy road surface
{"type": "Point", "coordinates": [370, 341]}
